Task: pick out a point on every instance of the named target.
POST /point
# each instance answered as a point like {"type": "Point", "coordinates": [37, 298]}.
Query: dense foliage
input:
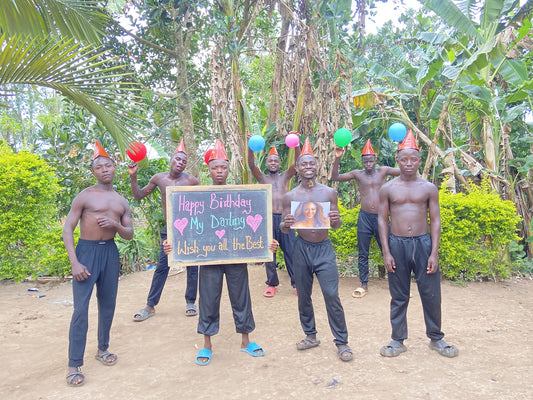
{"type": "Point", "coordinates": [28, 222]}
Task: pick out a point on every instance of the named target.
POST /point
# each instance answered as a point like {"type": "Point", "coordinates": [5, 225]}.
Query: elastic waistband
{"type": "Point", "coordinates": [298, 237]}
{"type": "Point", "coordinates": [367, 213]}
{"type": "Point", "coordinates": [96, 242]}
{"type": "Point", "coordinates": [408, 237]}
{"type": "Point", "coordinates": [276, 214]}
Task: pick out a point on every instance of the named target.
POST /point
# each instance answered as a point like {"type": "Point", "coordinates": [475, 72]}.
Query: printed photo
{"type": "Point", "coordinates": [310, 215]}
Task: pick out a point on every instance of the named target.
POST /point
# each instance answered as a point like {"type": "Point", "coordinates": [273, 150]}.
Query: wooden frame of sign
{"type": "Point", "coordinates": [219, 224]}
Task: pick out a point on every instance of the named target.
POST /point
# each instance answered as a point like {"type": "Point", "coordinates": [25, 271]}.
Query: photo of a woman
{"type": "Point", "coordinates": [310, 214]}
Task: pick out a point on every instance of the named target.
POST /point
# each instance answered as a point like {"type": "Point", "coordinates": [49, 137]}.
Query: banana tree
{"type": "Point", "coordinates": [465, 92]}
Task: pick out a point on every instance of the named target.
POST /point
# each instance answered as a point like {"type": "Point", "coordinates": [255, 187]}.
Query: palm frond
{"type": "Point", "coordinates": [80, 73]}
{"type": "Point", "coordinates": [82, 20]}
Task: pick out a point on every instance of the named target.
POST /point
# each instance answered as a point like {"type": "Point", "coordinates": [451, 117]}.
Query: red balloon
{"type": "Point", "coordinates": [208, 156]}
{"type": "Point", "coordinates": [136, 151]}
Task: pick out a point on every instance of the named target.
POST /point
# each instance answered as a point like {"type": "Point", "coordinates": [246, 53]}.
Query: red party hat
{"type": "Point", "coordinates": [409, 142]}
{"type": "Point", "coordinates": [273, 151]}
{"type": "Point", "coordinates": [99, 151]}
{"type": "Point", "coordinates": [180, 148]}
{"type": "Point", "coordinates": [218, 153]}
{"type": "Point", "coordinates": [306, 148]}
{"type": "Point", "coordinates": [368, 150]}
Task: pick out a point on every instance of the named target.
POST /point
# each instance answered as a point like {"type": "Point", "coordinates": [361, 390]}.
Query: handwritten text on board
{"type": "Point", "coordinates": [219, 224]}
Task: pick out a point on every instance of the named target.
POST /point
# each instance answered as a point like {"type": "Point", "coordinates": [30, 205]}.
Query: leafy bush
{"type": "Point", "coordinates": [345, 242]}
{"type": "Point", "coordinates": [477, 229]}
{"type": "Point", "coordinates": [51, 253]}
{"type": "Point", "coordinates": [137, 252]}
{"type": "Point", "coordinates": [28, 195]}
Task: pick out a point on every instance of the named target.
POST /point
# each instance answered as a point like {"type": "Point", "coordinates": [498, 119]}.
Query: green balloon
{"type": "Point", "coordinates": [342, 137]}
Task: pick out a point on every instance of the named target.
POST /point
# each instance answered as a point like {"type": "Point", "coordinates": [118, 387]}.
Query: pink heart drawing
{"type": "Point", "coordinates": [220, 233]}
{"type": "Point", "coordinates": [255, 221]}
{"type": "Point", "coordinates": [180, 224]}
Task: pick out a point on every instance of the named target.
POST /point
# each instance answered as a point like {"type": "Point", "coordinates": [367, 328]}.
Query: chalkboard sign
{"type": "Point", "coordinates": [223, 224]}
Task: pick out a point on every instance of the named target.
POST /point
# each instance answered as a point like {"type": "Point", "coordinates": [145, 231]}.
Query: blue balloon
{"type": "Point", "coordinates": [397, 131]}
{"type": "Point", "coordinates": [256, 143]}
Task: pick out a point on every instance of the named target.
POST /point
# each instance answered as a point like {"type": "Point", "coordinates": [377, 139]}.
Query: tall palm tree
{"type": "Point", "coordinates": [57, 44]}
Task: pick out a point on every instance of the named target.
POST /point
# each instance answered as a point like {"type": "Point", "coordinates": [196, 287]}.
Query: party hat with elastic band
{"type": "Point", "coordinates": [218, 153]}
{"type": "Point", "coordinates": [409, 142]}
{"type": "Point", "coordinates": [180, 148]}
{"type": "Point", "coordinates": [368, 150]}
{"type": "Point", "coordinates": [273, 152]}
{"type": "Point", "coordinates": [306, 148]}
{"type": "Point", "coordinates": [99, 151]}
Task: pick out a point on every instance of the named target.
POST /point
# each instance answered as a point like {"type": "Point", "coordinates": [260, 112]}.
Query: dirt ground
{"type": "Point", "coordinates": [490, 323]}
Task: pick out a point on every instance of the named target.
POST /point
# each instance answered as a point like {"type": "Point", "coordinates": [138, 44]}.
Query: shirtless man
{"type": "Point", "coordinates": [102, 213]}
{"type": "Point", "coordinates": [280, 185]}
{"type": "Point", "coordinates": [174, 177]}
{"type": "Point", "coordinates": [412, 245]}
{"type": "Point", "coordinates": [313, 254]}
{"type": "Point", "coordinates": [369, 180]}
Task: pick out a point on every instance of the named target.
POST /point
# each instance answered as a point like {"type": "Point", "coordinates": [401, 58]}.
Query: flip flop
{"type": "Point", "coordinates": [307, 343]}
{"type": "Point", "coordinates": [393, 349]}
{"type": "Point", "coordinates": [191, 310]}
{"type": "Point", "coordinates": [270, 291]}
{"type": "Point", "coordinates": [252, 348]}
{"type": "Point", "coordinates": [72, 375]}
{"type": "Point", "coordinates": [359, 292]}
{"type": "Point", "coordinates": [104, 356]}
{"type": "Point", "coordinates": [204, 353]}
{"type": "Point", "coordinates": [444, 349]}
{"type": "Point", "coordinates": [143, 315]}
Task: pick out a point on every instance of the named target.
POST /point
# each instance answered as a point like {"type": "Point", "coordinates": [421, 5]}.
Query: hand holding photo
{"type": "Point", "coordinates": [310, 215]}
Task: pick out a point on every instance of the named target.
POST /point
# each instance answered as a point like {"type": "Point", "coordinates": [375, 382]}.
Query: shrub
{"type": "Point", "coordinates": [345, 242]}
{"type": "Point", "coordinates": [477, 229]}
{"type": "Point", "coordinates": [28, 195]}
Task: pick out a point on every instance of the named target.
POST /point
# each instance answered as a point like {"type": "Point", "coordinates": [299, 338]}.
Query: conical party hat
{"type": "Point", "coordinates": [409, 142]}
{"type": "Point", "coordinates": [273, 151]}
{"type": "Point", "coordinates": [368, 150]}
{"type": "Point", "coordinates": [218, 153]}
{"type": "Point", "coordinates": [99, 151]}
{"type": "Point", "coordinates": [180, 148]}
{"type": "Point", "coordinates": [306, 148]}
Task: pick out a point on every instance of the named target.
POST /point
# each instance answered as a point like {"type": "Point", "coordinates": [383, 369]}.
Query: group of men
{"type": "Point", "coordinates": [400, 208]}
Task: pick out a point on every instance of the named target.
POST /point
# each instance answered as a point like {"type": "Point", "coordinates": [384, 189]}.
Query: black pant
{"type": "Point", "coordinates": [161, 273]}
{"type": "Point", "coordinates": [367, 226]}
{"type": "Point", "coordinates": [211, 279]}
{"type": "Point", "coordinates": [319, 259]}
{"type": "Point", "coordinates": [102, 260]}
{"type": "Point", "coordinates": [411, 254]}
{"type": "Point", "coordinates": [286, 243]}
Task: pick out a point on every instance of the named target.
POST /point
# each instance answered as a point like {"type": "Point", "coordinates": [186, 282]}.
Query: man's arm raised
{"type": "Point", "coordinates": [335, 176]}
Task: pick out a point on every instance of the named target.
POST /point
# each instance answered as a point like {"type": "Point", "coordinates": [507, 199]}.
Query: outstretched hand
{"type": "Point", "coordinates": [339, 151]}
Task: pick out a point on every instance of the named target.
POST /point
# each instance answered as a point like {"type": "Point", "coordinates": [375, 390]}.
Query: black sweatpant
{"type": "Point", "coordinates": [411, 254]}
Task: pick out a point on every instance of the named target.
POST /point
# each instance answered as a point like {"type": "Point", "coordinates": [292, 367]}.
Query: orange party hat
{"type": "Point", "coordinates": [218, 153]}
{"type": "Point", "coordinates": [409, 142]}
{"type": "Point", "coordinates": [99, 151]}
{"type": "Point", "coordinates": [368, 150]}
{"type": "Point", "coordinates": [273, 151]}
{"type": "Point", "coordinates": [306, 148]}
{"type": "Point", "coordinates": [180, 148]}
